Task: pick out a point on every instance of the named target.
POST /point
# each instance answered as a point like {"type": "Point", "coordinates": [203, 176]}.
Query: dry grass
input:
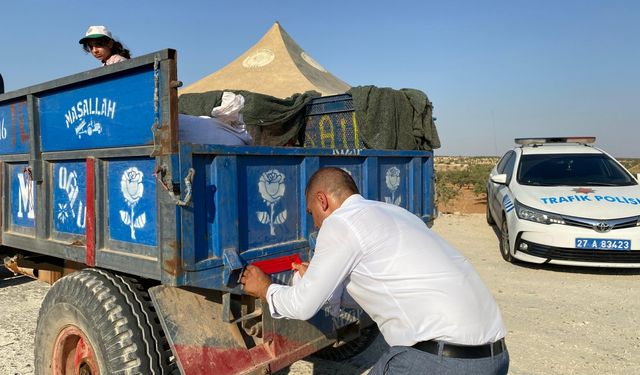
{"type": "Point", "coordinates": [449, 163]}
{"type": "Point", "coordinates": [466, 201]}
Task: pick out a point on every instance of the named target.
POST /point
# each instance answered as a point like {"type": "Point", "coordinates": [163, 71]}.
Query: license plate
{"type": "Point", "coordinates": [602, 244]}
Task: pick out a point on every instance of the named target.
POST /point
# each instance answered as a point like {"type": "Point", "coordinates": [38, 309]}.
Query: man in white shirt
{"type": "Point", "coordinates": [428, 302]}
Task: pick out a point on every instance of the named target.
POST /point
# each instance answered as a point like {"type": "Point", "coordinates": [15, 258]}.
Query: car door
{"type": "Point", "coordinates": [496, 192]}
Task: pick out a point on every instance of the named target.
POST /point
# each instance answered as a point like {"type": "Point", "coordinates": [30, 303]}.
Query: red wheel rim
{"type": "Point", "coordinates": [73, 354]}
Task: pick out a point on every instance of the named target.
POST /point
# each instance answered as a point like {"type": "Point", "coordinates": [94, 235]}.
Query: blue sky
{"type": "Point", "coordinates": [494, 70]}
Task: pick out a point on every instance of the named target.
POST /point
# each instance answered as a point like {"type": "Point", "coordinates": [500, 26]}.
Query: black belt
{"type": "Point", "coordinates": [462, 351]}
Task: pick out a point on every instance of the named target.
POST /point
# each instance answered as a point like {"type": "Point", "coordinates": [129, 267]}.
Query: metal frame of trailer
{"type": "Point", "coordinates": [93, 176]}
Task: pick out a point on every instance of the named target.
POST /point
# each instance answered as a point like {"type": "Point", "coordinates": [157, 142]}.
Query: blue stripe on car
{"type": "Point", "coordinates": [506, 202]}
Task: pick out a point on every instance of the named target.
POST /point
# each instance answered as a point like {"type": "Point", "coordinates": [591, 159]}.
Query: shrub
{"type": "Point", "coordinates": [470, 175]}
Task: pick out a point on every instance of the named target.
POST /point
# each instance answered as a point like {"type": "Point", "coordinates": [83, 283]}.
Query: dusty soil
{"type": "Point", "coordinates": [560, 320]}
{"type": "Point", "coordinates": [20, 299]}
{"type": "Point", "coordinates": [465, 203]}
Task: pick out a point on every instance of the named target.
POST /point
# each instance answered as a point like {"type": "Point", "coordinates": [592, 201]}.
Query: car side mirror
{"type": "Point", "coordinates": [499, 179]}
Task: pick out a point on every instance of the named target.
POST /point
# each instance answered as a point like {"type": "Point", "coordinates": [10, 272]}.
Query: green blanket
{"type": "Point", "coordinates": [271, 121]}
{"type": "Point", "coordinates": [394, 119]}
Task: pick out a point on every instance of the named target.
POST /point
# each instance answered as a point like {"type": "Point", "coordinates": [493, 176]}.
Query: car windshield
{"type": "Point", "coordinates": [572, 170]}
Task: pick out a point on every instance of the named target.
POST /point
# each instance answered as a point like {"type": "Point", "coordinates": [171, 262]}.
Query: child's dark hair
{"type": "Point", "coordinates": [116, 49]}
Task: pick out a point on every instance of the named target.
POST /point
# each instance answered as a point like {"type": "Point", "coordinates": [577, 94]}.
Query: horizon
{"type": "Point", "coordinates": [494, 71]}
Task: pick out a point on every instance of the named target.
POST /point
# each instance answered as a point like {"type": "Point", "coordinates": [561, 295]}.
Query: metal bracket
{"type": "Point", "coordinates": [161, 173]}
{"type": "Point", "coordinates": [34, 170]}
{"type": "Point", "coordinates": [232, 267]}
{"type": "Point", "coordinates": [226, 311]}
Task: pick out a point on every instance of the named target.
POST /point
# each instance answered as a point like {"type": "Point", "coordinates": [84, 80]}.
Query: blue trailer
{"type": "Point", "coordinates": [147, 236]}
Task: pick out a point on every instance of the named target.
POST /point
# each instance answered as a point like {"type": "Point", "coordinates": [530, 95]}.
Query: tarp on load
{"type": "Point", "coordinates": [394, 119]}
{"type": "Point", "coordinates": [271, 121]}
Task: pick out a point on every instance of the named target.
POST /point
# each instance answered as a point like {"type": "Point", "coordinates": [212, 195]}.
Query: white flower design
{"type": "Point", "coordinates": [271, 187]}
{"type": "Point", "coordinates": [392, 179]}
{"type": "Point", "coordinates": [131, 185]}
{"type": "Point", "coordinates": [132, 190]}
{"type": "Point", "coordinates": [63, 212]}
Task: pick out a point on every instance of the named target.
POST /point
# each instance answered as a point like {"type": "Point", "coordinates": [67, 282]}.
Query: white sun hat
{"type": "Point", "coordinates": [96, 32]}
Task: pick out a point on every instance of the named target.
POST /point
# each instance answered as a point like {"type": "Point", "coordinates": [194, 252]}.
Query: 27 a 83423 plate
{"type": "Point", "coordinates": [603, 244]}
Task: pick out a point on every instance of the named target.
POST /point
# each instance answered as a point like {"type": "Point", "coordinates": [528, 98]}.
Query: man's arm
{"type": "Point", "coordinates": [336, 253]}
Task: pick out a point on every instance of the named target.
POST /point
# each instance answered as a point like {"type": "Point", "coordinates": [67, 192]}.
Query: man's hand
{"type": "Point", "coordinates": [255, 282]}
{"type": "Point", "coordinates": [300, 267]}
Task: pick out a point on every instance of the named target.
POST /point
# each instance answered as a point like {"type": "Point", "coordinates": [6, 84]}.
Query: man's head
{"type": "Point", "coordinates": [325, 192]}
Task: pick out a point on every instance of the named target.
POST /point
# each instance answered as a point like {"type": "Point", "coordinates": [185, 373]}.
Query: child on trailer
{"type": "Point", "coordinates": [100, 43]}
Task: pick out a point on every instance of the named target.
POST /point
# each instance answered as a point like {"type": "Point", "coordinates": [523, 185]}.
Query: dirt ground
{"type": "Point", "coordinates": [20, 299]}
{"type": "Point", "coordinates": [465, 203]}
{"type": "Point", "coordinates": [560, 320]}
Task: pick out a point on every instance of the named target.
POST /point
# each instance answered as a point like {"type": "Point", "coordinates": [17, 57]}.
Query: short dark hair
{"type": "Point", "coordinates": [332, 180]}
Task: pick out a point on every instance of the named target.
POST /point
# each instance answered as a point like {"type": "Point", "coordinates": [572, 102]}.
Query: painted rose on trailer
{"type": "Point", "coordinates": [271, 187]}
{"type": "Point", "coordinates": [392, 179]}
{"type": "Point", "coordinates": [132, 190]}
{"type": "Point", "coordinates": [131, 185]}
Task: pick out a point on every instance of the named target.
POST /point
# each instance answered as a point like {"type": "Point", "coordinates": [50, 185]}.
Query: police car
{"type": "Point", "coordinates": [564, 201]}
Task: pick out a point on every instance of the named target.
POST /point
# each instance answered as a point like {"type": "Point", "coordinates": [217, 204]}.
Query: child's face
{"type": "Point", "coordinates": [101, 48]}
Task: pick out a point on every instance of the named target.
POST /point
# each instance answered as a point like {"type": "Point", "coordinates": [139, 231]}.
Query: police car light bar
{"type": "Point", "coordinates": [539, 141]}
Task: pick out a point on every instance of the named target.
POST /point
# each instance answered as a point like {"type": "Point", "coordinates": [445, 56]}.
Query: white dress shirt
{"type": "Point", "coordinates": [410, 281]}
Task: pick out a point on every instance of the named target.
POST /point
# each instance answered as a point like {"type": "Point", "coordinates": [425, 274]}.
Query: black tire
{"type": "Point", "coordinates": [350, 348]}
{"type": "Point", "coordinates": [114, 314]}
{"type": "Point", "coordinates": [504, 241]}
{"type": "Point", "coordinates": [490, 220]}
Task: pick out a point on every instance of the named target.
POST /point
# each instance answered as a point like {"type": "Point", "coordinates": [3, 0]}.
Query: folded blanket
{"type": "Point", "coordinates": [210, 131]}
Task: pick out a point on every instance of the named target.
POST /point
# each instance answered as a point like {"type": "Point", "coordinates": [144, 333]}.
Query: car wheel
{"type": "Point", "coordinates": [490, 220]}
{"type": "Point", "coordinates": [504, 241]}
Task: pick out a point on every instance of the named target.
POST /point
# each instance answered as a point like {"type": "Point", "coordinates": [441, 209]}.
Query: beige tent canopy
{"type": "Point", "coordinates": [275, 66]}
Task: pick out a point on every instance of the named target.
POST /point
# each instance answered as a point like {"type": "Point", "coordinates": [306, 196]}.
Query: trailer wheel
{"type": "Point", "coordinates": [95, 322]}
{"type": "Point", "coordinates": [350, 348]}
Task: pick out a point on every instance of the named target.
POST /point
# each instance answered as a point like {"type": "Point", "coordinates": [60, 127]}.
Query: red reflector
{"type": "Point", "coordinates": [276, 265]}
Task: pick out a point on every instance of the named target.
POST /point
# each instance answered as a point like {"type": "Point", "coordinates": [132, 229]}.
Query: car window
{"type": "Point", "coordinates": [508, 168]}
{"type": "Point", "coordinates": [572, 169]}
{"type": "Point", "coordinates": [503, 162]}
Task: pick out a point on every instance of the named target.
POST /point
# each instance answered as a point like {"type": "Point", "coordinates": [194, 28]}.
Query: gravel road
{"type": "Point", "coordinates": [560, 320]}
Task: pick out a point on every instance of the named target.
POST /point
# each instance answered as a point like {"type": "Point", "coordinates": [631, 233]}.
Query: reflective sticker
{"type": "Point", "coordinates": [506, 202]}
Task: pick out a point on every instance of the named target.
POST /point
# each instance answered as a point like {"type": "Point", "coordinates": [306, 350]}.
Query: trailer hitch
{"type": "Point", "coordinates": [12, 264]}
{"type": "Point", "coordinates": [249, 315]}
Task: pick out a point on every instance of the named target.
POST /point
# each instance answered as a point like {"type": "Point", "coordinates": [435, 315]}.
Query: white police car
{"type": "Point", "coordinates": [564, 201]}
